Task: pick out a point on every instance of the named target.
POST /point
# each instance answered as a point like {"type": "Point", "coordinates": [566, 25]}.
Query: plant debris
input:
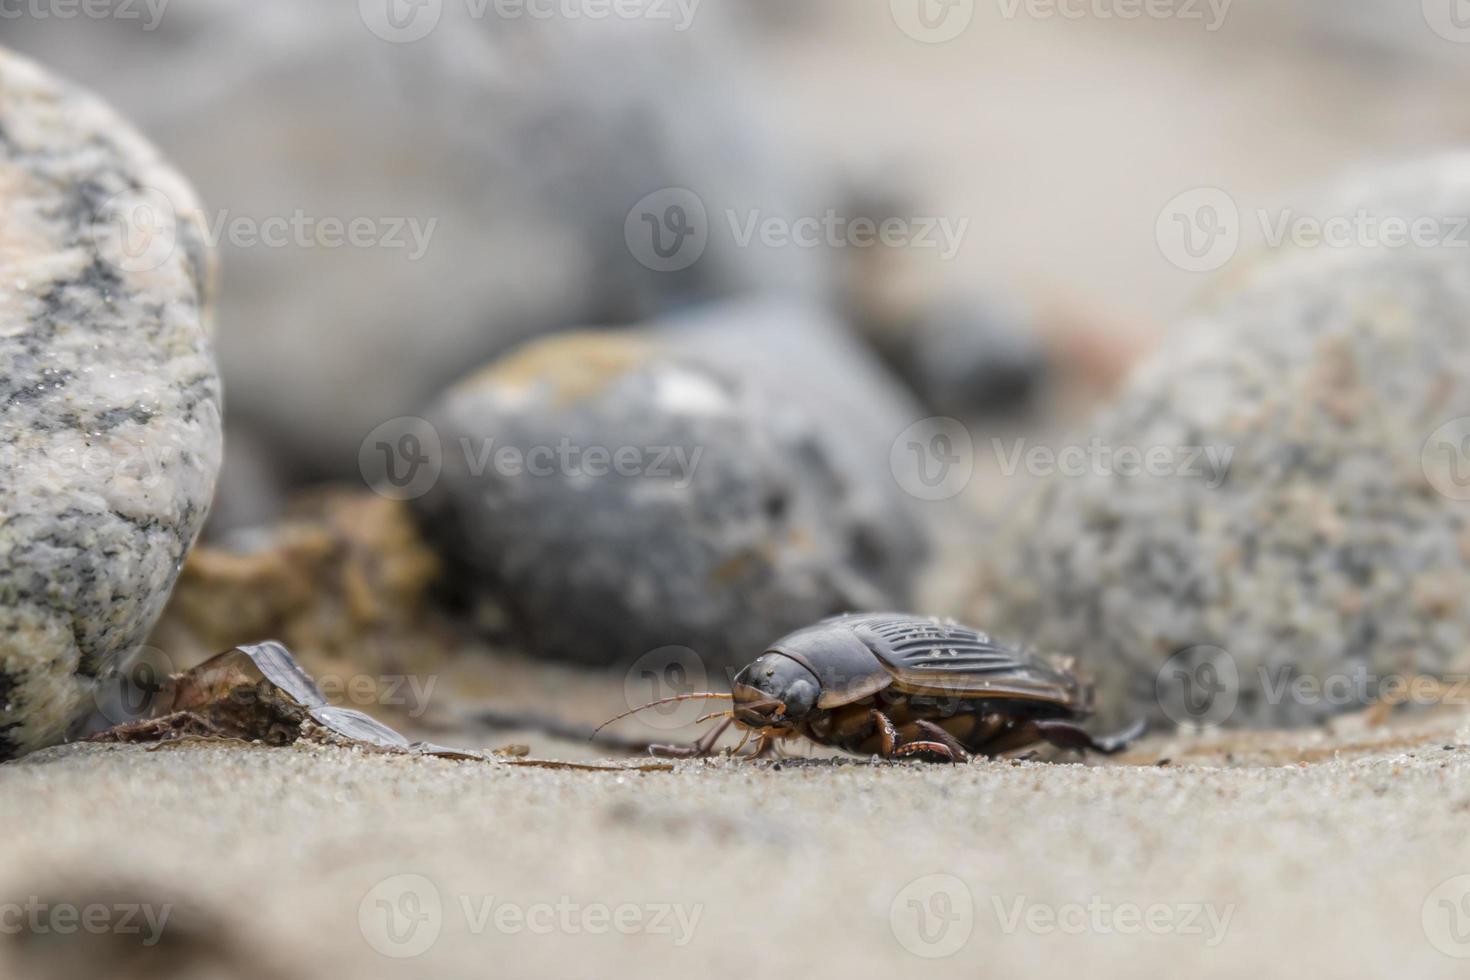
{"type": "Point", "coordinates": [259, 693]}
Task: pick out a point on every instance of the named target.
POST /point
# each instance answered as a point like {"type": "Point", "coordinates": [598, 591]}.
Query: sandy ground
{"type": "Point", "coordinates": [1316, 853]}
{"type": "Point", "coordinates": [1334, 853]}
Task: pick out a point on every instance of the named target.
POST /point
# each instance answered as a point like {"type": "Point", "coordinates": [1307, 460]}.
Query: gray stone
{"type": "Point", "coordinates": [111, 429]}
{"type": "Point", "coordinates": [755, 495]}
{"type": "Point", "coordinates": [1332, 553]}
{"type": "Point", "coordinates": [968, 356]}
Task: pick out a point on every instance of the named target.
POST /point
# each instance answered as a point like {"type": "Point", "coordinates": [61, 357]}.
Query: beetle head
{"type": "Point", "coordinates": [774, 691]}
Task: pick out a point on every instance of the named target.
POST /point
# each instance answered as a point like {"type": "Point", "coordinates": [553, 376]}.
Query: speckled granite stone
{"type": "Point", "coordinates": [1337, 547]}
{"type": "Point", "coordinates": [110, 437]}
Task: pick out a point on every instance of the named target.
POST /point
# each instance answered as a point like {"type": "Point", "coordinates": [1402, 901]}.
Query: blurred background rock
{"type": "Point", "coordinates": [1057, 140]}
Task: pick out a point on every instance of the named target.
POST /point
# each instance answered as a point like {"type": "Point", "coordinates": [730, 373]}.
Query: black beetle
{"type": "Point", "coordinates": [896, 685]}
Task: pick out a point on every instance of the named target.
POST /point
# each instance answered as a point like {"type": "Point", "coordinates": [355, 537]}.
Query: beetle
{"type": "Point", "coordinates": [898, 685]}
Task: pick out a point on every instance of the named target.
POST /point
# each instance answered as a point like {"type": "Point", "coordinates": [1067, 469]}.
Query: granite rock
{"type": "Point", "coordinates": [1324, 554]}
{"type": "Point", "coordinates": [709, 483]}
{"type": "Point", "coordinates": [111, 427]}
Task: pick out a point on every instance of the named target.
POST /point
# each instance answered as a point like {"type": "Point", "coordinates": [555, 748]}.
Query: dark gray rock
{"type": "Point", "coordinates": [710, 483]}
{"type": "Point", "coordinates": [968, 356]}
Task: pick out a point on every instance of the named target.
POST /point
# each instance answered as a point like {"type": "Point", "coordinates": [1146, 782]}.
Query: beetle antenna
{"type": "Point", "coordinates": [652, 704]}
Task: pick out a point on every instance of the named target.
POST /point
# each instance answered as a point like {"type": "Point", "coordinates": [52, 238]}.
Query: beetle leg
{"type": "Point", "coordinates": [911, 748]}
{"type": "Point", "coordinates": [949, 741]}
{"type": "Point", "coordinates": [698, 750]}
{"type": "Point", "coordinates": [1067, 735]}
{"type": "Point", "coordinates": [887, 734]}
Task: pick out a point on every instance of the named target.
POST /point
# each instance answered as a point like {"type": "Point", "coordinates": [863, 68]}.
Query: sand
{"type": "Point", "coordinates": [1314, 853]}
